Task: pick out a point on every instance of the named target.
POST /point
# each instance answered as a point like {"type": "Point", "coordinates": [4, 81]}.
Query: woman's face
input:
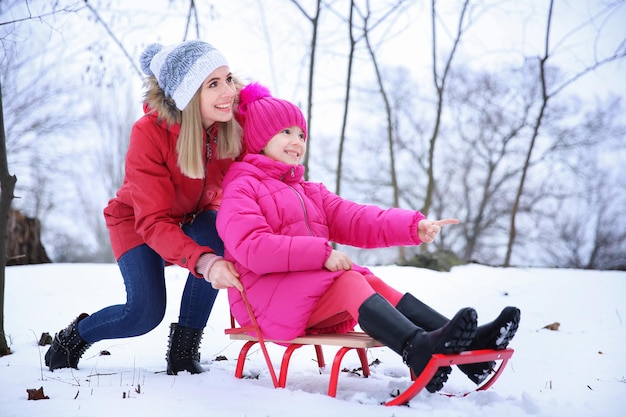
{"type": "Point", "coordinates": [287, 146]}
{"type": "Point", "coordinates": [217, 95]}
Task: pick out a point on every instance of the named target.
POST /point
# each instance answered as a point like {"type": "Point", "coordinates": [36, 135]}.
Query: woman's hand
{"type": "Point", "coordinates": [427, 230]}
{"type": "Point", "coordinates": [338, 261]}
{"type": "Point", "coordinates": [224, 275]}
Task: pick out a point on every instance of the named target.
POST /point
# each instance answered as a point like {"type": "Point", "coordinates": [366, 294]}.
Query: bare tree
{"type": "Point", "coordinates": [535, 133]}
{"type": "Point", "coordinates": [315, 20]}
{"type": "Point", "coordinates": [193, 14]}
{"type": "Point", "coordinates": [389, 116]}
{"type": "Point", "coordinates": [590, 237]}
{"type": "Point", "coordinates": [491, 113]}
{"type": "Point", "coordinates": [117, 42]}
{"type": "Point", "coordinates": [28, 15]}
{"type": "Point", "coordinates": [587, 220]}
{"type": "Point", "coordinates": [547, 95]}
{"type": "Point", "coordinates": [439, 80]}
{"type": "Point", "coordinates": [38, 93]}
{"type": "Point", "coordinates": [346, 104]}
{"type": "Point", "coordinates": [7, 182]}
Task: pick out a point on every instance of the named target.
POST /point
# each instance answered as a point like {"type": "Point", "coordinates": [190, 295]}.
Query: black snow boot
{"type": "Point", "coordinates": [494, 335]}
{"type": "Point", "coordinates": [183, 350]}
{"type": "Point", "coordinates": [379, 319]}
{"type": "Point", "coordinates": [67, 347]}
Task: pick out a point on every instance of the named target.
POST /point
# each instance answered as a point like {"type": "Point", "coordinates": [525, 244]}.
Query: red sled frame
{"type": "Point", "coordinates": [358, 341]}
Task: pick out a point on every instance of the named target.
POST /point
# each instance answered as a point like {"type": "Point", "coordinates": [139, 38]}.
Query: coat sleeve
{"type": "Point", "coordinates": [369, 226]}
{"type": "Point", "coordinates": [152, 193]}
{"type": "Point", "coordinates": [250, 241]}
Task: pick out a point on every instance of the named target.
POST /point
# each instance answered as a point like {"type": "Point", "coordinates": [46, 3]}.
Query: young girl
{"type": "Point", "coordinates": [165, 211]}
{"type": "Point", "coordinates": [277, 230]}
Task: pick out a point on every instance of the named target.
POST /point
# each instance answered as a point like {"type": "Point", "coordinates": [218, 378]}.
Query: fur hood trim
{"type": "Point", "coordinates": [158, 103]}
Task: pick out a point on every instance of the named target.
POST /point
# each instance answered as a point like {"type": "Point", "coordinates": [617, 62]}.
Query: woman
{"type": "Point", "coordinates": [277, 229]}
{"type": "Point", "coordinates": [165, 211]}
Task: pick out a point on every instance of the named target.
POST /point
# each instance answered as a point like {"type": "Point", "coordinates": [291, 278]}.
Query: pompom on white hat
{"type": "Point", "coordinates": [181, 69]}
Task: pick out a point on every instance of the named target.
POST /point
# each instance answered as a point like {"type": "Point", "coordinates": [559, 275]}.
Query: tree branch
{"type": "Point", "coordinates": [117, 41]}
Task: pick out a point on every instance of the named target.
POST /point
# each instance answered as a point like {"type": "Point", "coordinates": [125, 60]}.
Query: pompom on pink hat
{"type": "Point", "coordinates": [263, 116]}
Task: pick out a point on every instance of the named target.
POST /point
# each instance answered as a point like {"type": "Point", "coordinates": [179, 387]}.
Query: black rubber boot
{"type": "Point", "coordinates": [183, 350]}
{"type": "Point", "coordinates": [379, 319]}
{"type": "Point", "coordinates": [494, 335]}
{"type": "Point", "coordinates": [67, 347]}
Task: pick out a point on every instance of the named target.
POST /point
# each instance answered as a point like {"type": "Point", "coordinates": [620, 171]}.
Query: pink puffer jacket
{"type": "Point", "coordinates": [276, 228]}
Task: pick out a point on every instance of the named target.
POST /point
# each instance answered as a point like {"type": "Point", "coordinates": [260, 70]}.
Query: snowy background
{"type": "Point", "coordinates": [579, 370]}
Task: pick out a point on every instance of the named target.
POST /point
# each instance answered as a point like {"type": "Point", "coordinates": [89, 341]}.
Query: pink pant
{"type": "Point", "coordinates": [344, 297]}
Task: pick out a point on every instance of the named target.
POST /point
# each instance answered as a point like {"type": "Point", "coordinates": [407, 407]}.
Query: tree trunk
{"type": "Point", "coordinates": [309, 105]}
{"type": "Point", "coordinates": [344, 122]}
{"type": "Point", "coordinates": [7, 182]}
{"type": "Point", "coordinates": [440, 85]}
{"type": "Point", "coordinates": [533, 140]}
{"type": "Point", "coordinates": [390, 138]}
{"type": "Point", "coordinates": [24, 245]}
{"type": "Point", "coordinates": [439, 80]}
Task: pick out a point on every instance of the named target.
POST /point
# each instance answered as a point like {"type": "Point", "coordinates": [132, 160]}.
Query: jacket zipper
{"type": "Point", "coordinates": [306, 216]}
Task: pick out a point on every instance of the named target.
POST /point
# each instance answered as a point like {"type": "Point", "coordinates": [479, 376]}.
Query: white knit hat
{"type": "Point", "coordinates": [181, 69]}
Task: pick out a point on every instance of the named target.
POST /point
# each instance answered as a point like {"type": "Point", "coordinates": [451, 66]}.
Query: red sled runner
{"type": "Point", "coordinates": [358, 341]}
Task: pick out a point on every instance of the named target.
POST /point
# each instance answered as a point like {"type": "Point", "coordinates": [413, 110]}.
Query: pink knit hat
{"type": "Point", "coordinates": [263, 116]}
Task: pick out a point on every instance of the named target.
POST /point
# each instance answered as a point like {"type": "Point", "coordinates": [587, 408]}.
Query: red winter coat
{"type": "Point", "coordinates": [156, 197]}
{"type": "Point", "coordinates": [276, 228]}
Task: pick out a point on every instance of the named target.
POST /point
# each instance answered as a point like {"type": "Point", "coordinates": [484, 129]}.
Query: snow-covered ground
{"type": "Point", "coordinates": [577, 371]}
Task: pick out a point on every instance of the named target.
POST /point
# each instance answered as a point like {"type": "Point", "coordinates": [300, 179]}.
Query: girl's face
{"type": "Point", "coordinates": [287, 146]}
{"type": "Point", "coordinates": [217, 95]}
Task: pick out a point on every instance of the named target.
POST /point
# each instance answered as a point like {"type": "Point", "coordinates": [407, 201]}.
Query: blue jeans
{"type": "Point", "coordinates": [144, 277]}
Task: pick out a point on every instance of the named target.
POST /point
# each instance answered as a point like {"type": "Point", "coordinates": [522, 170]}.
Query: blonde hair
{"type": "Point", "coordinates": [190, 144]}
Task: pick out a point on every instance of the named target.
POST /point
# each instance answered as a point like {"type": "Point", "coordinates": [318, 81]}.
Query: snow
{"type": "Point", "coordinates": [577, 370]}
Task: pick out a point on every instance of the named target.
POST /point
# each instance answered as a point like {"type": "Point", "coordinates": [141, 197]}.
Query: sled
{"type": "Point", "coordinates": [359, 342]}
